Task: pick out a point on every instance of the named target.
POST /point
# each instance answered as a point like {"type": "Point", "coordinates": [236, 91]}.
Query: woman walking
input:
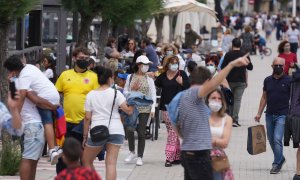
{"type": "Point", "coordinates": [171, 81]}
{"type": "Point", "coordinates": [102, 108]}
{"type": "Point", "coordinates": [220, 127]}
{"type": "Point", "coordinates": [139, 81]}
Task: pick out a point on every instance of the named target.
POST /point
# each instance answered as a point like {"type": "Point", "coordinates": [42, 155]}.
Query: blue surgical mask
{"type": "Point", "coordinates": [169, 53]}
{"type": "Point", "coordinates": [173, 67]}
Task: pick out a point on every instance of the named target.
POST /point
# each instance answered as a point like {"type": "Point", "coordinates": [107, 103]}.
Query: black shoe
{"type": "Point", "coordinates": [282, 163]}
{"type": "Point", "coordinates": [176, 162]}
{"type": "Point", "coordinates": [235, 124]}
{"type": "Point", "coordinates": [275, 170]}
{"type": "Point", "coordinates": [296, 177]}
{"type": "Point", "coordinates": [168, 164]}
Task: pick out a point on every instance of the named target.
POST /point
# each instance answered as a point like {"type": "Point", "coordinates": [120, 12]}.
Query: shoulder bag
{"type": "Point", "coordinates": [101, 133]}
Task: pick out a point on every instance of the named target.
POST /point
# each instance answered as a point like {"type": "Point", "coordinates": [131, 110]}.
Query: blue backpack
{"type": "Point", "coordinates": [172, 108]}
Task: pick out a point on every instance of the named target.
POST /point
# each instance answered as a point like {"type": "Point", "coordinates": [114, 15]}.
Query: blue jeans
{"type": "Point", "coordinates": [275, 132]}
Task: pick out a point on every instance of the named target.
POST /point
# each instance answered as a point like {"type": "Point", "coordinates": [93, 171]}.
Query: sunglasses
{"type": "Point", "coordinates": [277, 65]}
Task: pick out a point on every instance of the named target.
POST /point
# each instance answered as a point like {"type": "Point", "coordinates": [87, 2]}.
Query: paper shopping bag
{"type": "Point", "coordinates": [256, 142]}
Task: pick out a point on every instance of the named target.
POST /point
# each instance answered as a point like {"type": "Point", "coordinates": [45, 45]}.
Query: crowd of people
{"type": "Point", "coordinates": [119, 97]}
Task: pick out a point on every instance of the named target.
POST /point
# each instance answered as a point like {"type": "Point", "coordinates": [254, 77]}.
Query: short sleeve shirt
{"type": "Point", "coordinates": [278, 94]}
{"type": "Point", "coordinates": [75, 86]}
{"type": "Point", "coordinates": [79, 173]}
{"type": "Point", "coordinates": [293, 35]}
{"type": "Point", "coordinates": [193, 121]}
{"type": "Point", "coordinates": [4, 113]}
{"type": "Point", "coordinates": [99, 103]}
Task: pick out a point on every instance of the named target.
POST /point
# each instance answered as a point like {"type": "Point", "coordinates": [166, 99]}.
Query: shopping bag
{"type": "Point", "coordinates": [256, 142]}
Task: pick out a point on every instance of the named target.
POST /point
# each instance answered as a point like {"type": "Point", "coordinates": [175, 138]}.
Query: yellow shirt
{"type": "Point", "coordinates": [75, 87]}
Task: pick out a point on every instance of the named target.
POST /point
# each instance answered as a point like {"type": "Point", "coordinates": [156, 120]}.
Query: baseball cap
{"type": "Point", "coordinates": [143, 59]}
{"type": "Point", "coordinates": [122, 76]}
{"type": "Point", "coordinates": [188, 51]}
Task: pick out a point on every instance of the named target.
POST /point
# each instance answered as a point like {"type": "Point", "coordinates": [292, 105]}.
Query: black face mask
{"type": "Point", "coordinates": [277, 70]}
{"type": "Point", "coordinates": [82, 64]}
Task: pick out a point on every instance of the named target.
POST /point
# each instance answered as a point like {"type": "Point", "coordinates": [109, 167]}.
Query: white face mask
{"type": "Point", "coordinates": [214, 106]}
{"type": "Point", "coordinates": [212, 69]}
{"type": "Point", "coordinates": [173, 67]}
{"type": "Point", "coordinates": [185, 56]}
{"type": "Point", "coordinates": [145, 68]}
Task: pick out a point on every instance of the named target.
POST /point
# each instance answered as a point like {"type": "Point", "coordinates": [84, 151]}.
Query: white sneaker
{"type": "Point", "coordinates": [53, 156]}
{"type": "Point", "coordinates": [139, 161]}
{"type": "Point", "coordinates": [130, 157]}
{"type": "Point", "coordinates": [58, 150]}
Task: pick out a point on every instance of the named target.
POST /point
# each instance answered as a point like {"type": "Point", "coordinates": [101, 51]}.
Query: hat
{"type": "Point", "coordinates": [122, 76]}
{"type": "Point", "coordinates": [94, 59]}
{"type": "Point", "coordinates": [143, 59]}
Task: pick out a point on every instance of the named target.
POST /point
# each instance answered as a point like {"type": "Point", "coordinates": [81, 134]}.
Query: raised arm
{"type": "Point", "coordinates": [212, 84]}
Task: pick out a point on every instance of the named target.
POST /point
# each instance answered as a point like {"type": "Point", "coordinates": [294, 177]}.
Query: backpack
{"type": "Point", "coordinates": [172, 108]}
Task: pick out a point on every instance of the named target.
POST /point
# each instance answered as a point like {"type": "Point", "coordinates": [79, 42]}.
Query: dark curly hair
{"type": "Point", "coordinates": [13, 63]}
{"type": "Point", "coordinates": [103, 74]}
{"type": "Point", "coordinates": [281, 46]}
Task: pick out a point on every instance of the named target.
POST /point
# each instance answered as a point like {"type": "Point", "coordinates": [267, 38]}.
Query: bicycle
{"type": "Point", "coordinates": [265, 51]}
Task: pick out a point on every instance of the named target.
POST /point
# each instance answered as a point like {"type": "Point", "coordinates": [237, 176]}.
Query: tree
{"type": "Point", "coordinates": [10, 10]}
{"type": "Point", "coordinates": [88, 10]}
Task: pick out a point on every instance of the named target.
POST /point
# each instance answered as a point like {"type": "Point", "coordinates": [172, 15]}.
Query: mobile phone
{"type": "Point", "coordinates": [12, 89]}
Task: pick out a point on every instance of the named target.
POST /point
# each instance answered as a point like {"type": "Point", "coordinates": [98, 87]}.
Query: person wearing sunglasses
{"type": "Point", "coordinates": [276, 95]}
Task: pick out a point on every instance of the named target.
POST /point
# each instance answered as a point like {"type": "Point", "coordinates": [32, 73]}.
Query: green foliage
{"type": "Point", "coordinates": [202, 1]}
{"type": "Point", "coordinates": [84, 7]}
{"type": "Point", "coordinates": [13, 9]}
{"type": "Point", "coordinates": [10, 156]}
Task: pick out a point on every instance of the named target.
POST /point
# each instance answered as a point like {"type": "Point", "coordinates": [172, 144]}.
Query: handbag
{"type": "Point", "coordinates": [101, 133]}
{"type": "Point", "coordinates": [220, 161]}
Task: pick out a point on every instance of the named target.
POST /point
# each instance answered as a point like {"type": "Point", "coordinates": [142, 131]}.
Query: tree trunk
{"type": "Point", "coordinates": [3, 55]}
{"type": "Point", "coordinates": [131, 31]}
{"type": "Point", "coordinates": [103, 37]}
{"type": "Point", "coordinates": [144, 28]}
{"type": "Point", "coordinates": [86, 21]}
{"type": "Point", "coordinates": [159, 25]}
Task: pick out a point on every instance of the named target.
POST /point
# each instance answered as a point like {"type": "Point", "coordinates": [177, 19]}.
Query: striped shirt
{"type": "Point", "coordinates": [193, 121]}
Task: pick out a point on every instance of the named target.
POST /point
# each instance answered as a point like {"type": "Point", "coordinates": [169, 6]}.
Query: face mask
{"type": "Point", "coordinates": [212, 69]}
{"type": "Point", "coordinates": [82, 64]}
{"type": "Point", "coordinates": [173, 67]}
{"type": "Point", "coordinates": [169, 53]}
{"type": "Point", "coordinates": [214, 106]}
{"type": "Point", "coordinates": [185, 56]}
{"type": "Point", "coordinates": [187, 30]}
{"type": "Point", "coordinates": [145, 68]}
{"type": "Point", "coordinates": [277, 70]}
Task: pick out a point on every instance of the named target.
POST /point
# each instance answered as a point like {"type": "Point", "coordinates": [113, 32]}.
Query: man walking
{"type": "Point", "coordinates": [74, 84]}
{"type": "Point", "coordinates": [237, 79]}
{"type": "Point", "coordinates": [276, 95]}
{"type": "Point", "coordinates": [193, 121]}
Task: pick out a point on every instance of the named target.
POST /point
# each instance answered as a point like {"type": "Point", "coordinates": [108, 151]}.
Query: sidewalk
{"type": "Point", "coordinates": [245, 166]}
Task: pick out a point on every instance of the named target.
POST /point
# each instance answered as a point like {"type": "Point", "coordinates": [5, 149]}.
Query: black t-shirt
{"type": "Point", "coordinates": [278, 94]}
{"type": "Point", "coordinates": [237, 74]}
{"type": "Point", "coordinates": [170, 87]}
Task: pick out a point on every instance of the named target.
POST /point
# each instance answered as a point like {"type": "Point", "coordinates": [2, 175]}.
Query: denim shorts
{"type": "Point", "coordinates": [116, 139]}
{"type": "Point", "coordinates": [33, 141]}
{"type": "Point", "coordinates": [46, 115]}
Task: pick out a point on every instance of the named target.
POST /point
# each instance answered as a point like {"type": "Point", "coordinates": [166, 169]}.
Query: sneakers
{"type": "Point", "coordinates": [235, 124]}
{"type": "Point", "coordinates": [53, 156]}
{"type": "Point", "coordinates": [58, 150]}
{"type": "Point", "coordinates": [139, 161]}
{"type": "Point", "coordinates": [275, 170]}
{"type": "Point", "coordinates": [282, 163]}
{"type": "Point", "coordinates": [168, 164]}
{"type": "Point", "coordinates": [130, 157]}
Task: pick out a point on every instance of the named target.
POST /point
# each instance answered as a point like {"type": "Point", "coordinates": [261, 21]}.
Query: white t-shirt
{"type": "Point", "coordinates": [293, 35]}
{"type": "Point", "coordinates": [181, 62]}
{"type": "Point", "coordinates": [29, 112]}
{"type": "Point", "coordinates": [31, 78]}
{"type": "Point", "coordinates": [100, 103]}
{"type": "Point", "coordinates": [48, 73]}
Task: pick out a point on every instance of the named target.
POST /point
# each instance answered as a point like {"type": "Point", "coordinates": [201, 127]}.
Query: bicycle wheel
{"type": "Point", "coordinates": [267, 51]}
